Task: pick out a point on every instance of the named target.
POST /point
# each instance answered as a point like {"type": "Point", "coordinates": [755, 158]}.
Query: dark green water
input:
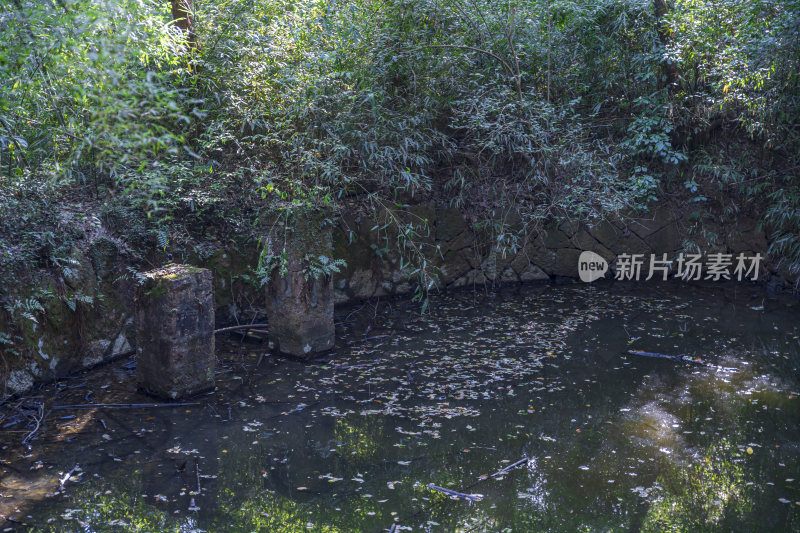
{"type": "Point", "coordinates": [616, 442]}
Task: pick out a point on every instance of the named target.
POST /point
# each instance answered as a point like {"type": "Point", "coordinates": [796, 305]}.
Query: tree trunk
{"type": "Point", "coordinates": [670, 69]}
{"type": "Point", "coordinates": [182, 16]}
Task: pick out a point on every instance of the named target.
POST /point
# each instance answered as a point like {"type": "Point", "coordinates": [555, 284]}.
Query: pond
{"type": "Point", "coordinates": [611, 441]}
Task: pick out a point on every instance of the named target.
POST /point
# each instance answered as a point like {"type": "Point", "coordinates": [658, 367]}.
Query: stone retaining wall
{"type": "Point", "coordinates": [464, 257]}
{"type": "Point", "coordinates": [67, 340]}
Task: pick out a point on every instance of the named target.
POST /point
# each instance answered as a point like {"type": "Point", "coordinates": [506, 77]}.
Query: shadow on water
{"type": "Point", "coordinates": [615, 441]}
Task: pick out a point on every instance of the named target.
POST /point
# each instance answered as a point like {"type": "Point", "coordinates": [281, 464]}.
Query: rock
{"type": "Point", "coordinates": [646, 226]}
{"type": "Point", "coordinates": [104, 254]}
{"type": "Point", "coordinates": [553, 238]}
{"type": "Point", "coordinates": [455, 265]}
{"type": "Point", "coordinates": [752, 241]}
{"type": "Point", "coordinates": [584, 241]}
{"type": "Point", "coordinates": [604, 232]}
{"type": "Point", "coordinates": [630, 243]}
{"type": "Point", "coordinates": [473, 257]}
{"type": "Point", "coordinates": [569, 227]}
{"type": "Point", "coordinates": [174, 320]}
{"type": "Point", "coordinates": [509, 276]}
{"type": "Point", "coordinates": [101, 349]}
{"type": "Point", "coordinates": [383, 289]}
{"type": "Point", "coordinates": [545, 259]}
{"type": "Point", "coordinates": [340, 297]}
{"type": "Point", "coordinates": [566, 262]}
{"type": "Point", "coordinates": [463, 240]}
{"type": "Point", "coordinates": [489, 267]}
{"type": "Point", "coordinates": [79, 274]}
{"type": "Point", "coordinates": [475, 277]}
{"type": "Point", "coordinates": [19, 381]}
{"type": "Point", "coordinates": [523, 258]}
{"type": "Point", "coordinates": [665, 240]}
{"type": "Point", "coordinates": [400, 276]}
{"type": "Point", "coordinates": [362, 284]}
{"type": "Point", "coordinates": [421, 215]}
{"type": "Point", "coordinates": [403, 288]}
{"type": "Point", "coordinates": [533, 273]}
{"type": "Point", "coordinates": [96, 351]}
{"type": "Point", "coordinates": [450, 223]}
{"type": "Point", "coordinates": [460, 282]}
{"type": "Point", "coordinates": [121, 345]}
{"type": "Point", "coordinates": [503, 258]}
{"type": "Point", "coordinates": [221, 265]}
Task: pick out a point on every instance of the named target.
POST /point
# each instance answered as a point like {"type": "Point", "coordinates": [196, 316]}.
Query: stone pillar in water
{"type": "Point", "coordinates": [175, 331]}
{"type": "Point", "coordinates": [299, 305]}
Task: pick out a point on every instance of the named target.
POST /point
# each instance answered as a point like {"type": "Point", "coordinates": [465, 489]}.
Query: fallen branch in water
{"type": "Point", "coordinates": [245, 326]}
{"type": "Point", "coordinates": [348, 367]}
{"type": "Point", "coordinates": [122, 405]}
{"type": "Point", "coordinates": [63, 480]}
{"type": "Point", "coordinates": [12, 410]}
{"type": "Point", "coordinates": [456, 494]}
{"type": "Point", "coordinates": [299, 408]}
{"type": "Point", "coordinates": [510, 467]}
{"type": "Point", "coordinates": [682, 358]}
{"type": "Point", "coordinates": [38, 420]}
{"type": "Point", "coordinates": [500, 472]}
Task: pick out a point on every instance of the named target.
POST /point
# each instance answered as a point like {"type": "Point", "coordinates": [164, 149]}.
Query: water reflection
{"type": "Point", "coordinates": [615, 441]}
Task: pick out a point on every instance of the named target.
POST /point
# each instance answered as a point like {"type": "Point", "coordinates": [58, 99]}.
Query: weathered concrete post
{"type": "Point", "coordinates": [300, 299]}
{"type": "Point", "coordinates": [175, 331]}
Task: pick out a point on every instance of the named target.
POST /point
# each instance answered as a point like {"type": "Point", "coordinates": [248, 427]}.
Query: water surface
{"type": "Point", "coordinates": [615, 442]}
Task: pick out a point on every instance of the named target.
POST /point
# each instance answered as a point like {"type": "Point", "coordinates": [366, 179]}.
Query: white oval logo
{"type": "Point", "coordinates": [591, 266]}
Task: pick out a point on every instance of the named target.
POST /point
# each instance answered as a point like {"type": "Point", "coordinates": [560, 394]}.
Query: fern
{"type": "Point", "coordinates": [321, 266]}
{"type": "Point", "coordinates": [27, 309]}
{"type": "Point", "coordinates": [162, 238]}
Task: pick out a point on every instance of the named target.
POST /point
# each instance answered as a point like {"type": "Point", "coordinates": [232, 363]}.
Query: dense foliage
{"type": "Point", "coordinates": [549, 107]}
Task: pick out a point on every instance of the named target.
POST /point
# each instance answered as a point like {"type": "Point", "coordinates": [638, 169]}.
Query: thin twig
{"type": "Point", "coordinates": [197, 472]}
{"type": "Point", "coordinates": [121, 405]}
{"type": "Point", "coordinates": [38, 420]}
{"type": "Point", "coordinates": [244, 326]}
{"type": "Point", "coordinates": [502, 61]}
